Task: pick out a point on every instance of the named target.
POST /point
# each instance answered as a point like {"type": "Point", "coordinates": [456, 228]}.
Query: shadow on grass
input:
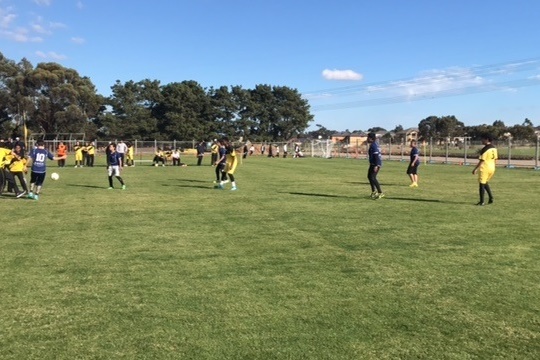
{"type": "Point", "coordinates": [319, 195]}
{"type": "Point", "coordinates": [367, 183]}
{"type": "Point", "coordinates": [190, 180]}
{"type": "Point", "coordinates": [414, 199]}
{"type": "Point", "coordinates": [190, 186]}
{"type": "Point", "coordinates": [88, 186]}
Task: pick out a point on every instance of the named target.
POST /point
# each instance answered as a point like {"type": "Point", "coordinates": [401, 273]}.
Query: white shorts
{"type": "Point", "coordinates": [113, 170]}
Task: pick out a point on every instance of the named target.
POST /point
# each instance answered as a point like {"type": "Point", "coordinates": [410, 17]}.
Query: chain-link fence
{"type": "Point", "coordinates": [465, 152]}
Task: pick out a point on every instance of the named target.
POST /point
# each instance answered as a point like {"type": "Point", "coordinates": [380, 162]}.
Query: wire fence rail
{"type": "Point", "coordinates": [511, 153]}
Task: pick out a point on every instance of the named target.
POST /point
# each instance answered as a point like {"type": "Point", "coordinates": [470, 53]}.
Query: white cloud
{"type": "Point", "coordinates": [57, 25]}
{"type": "Point", "coordinates": [431, 82]}
{"type": "Point", "coordinates": [80, 5]}
{"type": "Point", "coordinates": [40, 29]}
{"type": "Point", "coordinates": [6, 18]}
{"type": "Point", "coordinates": [43, 2]}
{"type": "Point", "coordinates": [50, 55]}
{"type": "Point", "coordinates": [78, 40]}
{"type": "Point", "coordinates": [341, 75]}
{"type": "Point", "coordinates": [20, 35]}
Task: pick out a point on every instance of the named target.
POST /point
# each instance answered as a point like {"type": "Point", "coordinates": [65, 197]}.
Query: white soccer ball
{"type": "Point", "coordinates": [55, 176]}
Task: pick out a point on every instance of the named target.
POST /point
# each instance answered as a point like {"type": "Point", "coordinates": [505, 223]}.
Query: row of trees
{"type": "Point", "coordinates": [441, 129]}
{"type": "Point", "coordinates": [53, 99]}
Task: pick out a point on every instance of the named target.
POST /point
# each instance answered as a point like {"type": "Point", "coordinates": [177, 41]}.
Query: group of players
{"type": "Point", "coordinates": [485, 168]}
{"type": "Point", "coordinates": [225, 160]}
{"type": "Point", "coordinates": [14, 165]}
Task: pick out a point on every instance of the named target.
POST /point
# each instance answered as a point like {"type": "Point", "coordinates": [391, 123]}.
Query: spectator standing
{"type": "Point", "coordinates": [78, 148]}
{"type": "Point", "coordinates": [201, 148]}
{"type": "Point", "coordinates": [90, 154]}
{"type": "Point", "coordinates": [61, 151]}
{"type": "Point", "coordinates": [121, 149]}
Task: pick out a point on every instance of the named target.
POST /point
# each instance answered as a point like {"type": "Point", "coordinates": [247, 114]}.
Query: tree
{"type": "Point", "coordinates": [439, 129]}
{"type": "Point", "coordinates": [133, 105]}
{"type": "Point", "coordinates": [184, 111]}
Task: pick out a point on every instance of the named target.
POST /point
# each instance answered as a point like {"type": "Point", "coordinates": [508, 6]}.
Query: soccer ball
{"type": "Point", "coordinates": [55, 176]}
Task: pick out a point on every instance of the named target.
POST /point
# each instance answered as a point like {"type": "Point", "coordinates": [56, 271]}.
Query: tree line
{"type": "Point", "coordinates": [445, 128]}
{"type": "Point", "coordinates": [52, 99]}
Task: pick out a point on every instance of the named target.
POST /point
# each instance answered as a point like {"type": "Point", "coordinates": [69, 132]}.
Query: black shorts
{"type": "Point", "coordinates": [412, 169]}
{"type": "Point", "coordinates": [37, 178]}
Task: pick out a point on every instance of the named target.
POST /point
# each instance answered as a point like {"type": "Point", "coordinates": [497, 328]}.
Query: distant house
{"type": "Point", "coordinates": [346, 138]}
{"type": "Point", "coordinates": [407, 135]}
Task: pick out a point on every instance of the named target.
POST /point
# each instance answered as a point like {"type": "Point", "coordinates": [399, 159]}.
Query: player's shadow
{"type": "Point", "coordinates": [317, 195]}
{"type": "Point", "coordinates": [87, 186]}
{"type": "Point", "coordinates": [189, 180]}
{"type": "Point", "coordinates": [188, 183]}
{"type": "Point", "coordinates": [414, 199]}
{"type": "Point", "coordinates": [367, 183]}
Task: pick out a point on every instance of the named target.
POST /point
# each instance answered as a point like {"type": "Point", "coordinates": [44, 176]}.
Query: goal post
{"type": "Point", "coordinates": [322, 148]}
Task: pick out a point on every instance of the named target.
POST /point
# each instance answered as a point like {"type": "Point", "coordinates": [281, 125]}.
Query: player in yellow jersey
{"type": "Point", "coordinates": [486, 168]}
{"type": "Point", "coordinates": [78, 154]}
{"type": "Point", "coordinates": [18, 167]}
{"type": "Point", "coordinates": [6, 177]}
{"type": "Point", "coordinates": [231, 161]}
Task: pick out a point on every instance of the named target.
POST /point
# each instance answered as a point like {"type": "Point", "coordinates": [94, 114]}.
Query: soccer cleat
{"type": "Point", "coordinates": [374, 195]}
{"type": "Point", "coordinates": [380, 196]}
{"type": "Point", "coordinates": [31, 195]}
{"type": "Point", "coordinates": [110, 188]}
{"type": "Point", "coordinates": [20, 194]}
{"type": "Point", "coordinates": [36, 197]}
{"type": "Point", "coordinates": [490, 201]}
{"type": "Point", "coordinates": [123, 187]}
{"type": "Point", "coordinates": [234, 188]}
{"type": "Point", "coordinates": [480, 203]}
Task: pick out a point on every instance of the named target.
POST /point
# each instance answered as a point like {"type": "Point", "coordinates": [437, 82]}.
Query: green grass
{"type": "Point", "coordinates": [297, 264]}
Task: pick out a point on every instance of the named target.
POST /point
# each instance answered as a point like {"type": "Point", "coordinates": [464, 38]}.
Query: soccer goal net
{"type": "Point", "coordinates": [322, 148]}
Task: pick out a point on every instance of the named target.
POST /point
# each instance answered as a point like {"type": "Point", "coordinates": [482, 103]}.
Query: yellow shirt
{"type": "Point", "coordinates": [232, 161]}
{"type": "Point", "coordinates": [489, 156]}
{"type": "Point", "coordinates": [18, 165]}
{"type": "Point", "coordinates": [91, 149]}
{"type": "Point", "coordinates": [5, 157]}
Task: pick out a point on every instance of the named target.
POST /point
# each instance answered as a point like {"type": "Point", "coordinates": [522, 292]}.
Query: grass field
{"type": "Point", "coordinates": [297, 264]}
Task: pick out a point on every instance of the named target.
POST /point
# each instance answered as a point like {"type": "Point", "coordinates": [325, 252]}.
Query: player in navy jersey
{"type": "Point", "coordinates": [221, 164]}
{"type": "Point", "coordinates": [114, 166]}
{"type": "Point", "coordinates": [412, 169]}
{"type": "Point", "coordinates": [38, 166]}
{"type": "Point", "coordinates": [375, 163]}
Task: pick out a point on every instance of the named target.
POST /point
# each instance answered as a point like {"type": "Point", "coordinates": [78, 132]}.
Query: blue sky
{"type": "Point", "coordinates": [359, 63]}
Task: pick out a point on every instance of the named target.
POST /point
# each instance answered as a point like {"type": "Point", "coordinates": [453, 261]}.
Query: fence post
{"type": "Point", "coordinates": [537, 153]}
{"type": "Point", "coordinates": [402, 149]}
{"type": "Point", "coordinates": [430, 150]}
{"type": "Point", "coordinates": [447, 149]}
{"type": "Point", "coordinates": [509, 165]}
{"type": "Point", "coordinates": [465, 142]}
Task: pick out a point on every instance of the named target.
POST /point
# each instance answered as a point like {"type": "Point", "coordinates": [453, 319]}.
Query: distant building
{"type": "Point", "coordinates": [346, 138]}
